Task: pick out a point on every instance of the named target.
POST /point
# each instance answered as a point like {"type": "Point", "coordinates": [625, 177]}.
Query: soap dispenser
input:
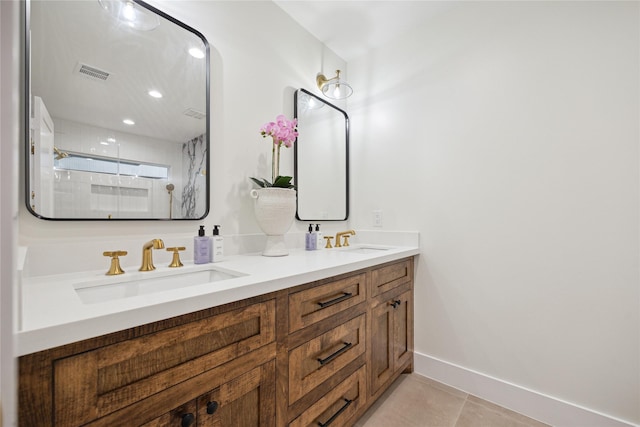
{"type": "Point", "coordinates": [310, 239]}
{"type": "Point", "coordinates": [319, 238]}
{"type": "Point", "coordinates": [217, 244]}
{"type": "Point", "coordinates": [201, 248]}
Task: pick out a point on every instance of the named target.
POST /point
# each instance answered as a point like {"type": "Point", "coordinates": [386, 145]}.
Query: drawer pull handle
{"type": "Point", "coordinates": [334, 416]}
{"type": "Point", "coordinates": [396, 303]}
{"type": "Point", "coordinates": [346, 295]}
{"type": "Point", "coordinates": [329, 358]}
{"type": "Point", "coordinates": [187, 420]}
{"type": "Point", "coordinates": [212, 407]}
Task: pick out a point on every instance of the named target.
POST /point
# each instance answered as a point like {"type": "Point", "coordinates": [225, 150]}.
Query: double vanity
{"type": "Point", "coordinates": [313, 338]}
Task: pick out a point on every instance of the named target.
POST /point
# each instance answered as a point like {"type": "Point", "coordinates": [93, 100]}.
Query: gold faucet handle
{"type": "Point", "coordinates": [328, 239]}
{"type": "Point", "coordinates": [346, 239]}
{"type": "Point", "coordinates": [175, 262]}
{"type": "Point", "coordinates": [115, 268]}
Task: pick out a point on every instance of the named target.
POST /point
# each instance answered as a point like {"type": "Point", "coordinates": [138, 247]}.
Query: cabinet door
{"type": "Point", "coordinates": [402, 330]}
{"type": "Point", "coordinates": [182, 416]}
{"type": "Point", "coordinates": [245, 401]}
{"type": "Point", "coordinates": [391, 338]}
{"type": "Point", "coordinates": [381, 363]}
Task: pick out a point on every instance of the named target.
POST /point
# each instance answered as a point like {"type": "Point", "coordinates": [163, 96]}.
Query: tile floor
{"type": "Point", "coordinates": [416, 401]}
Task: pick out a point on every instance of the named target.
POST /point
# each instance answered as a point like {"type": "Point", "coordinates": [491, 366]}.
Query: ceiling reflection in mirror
{"type": "Point", "coordinates": [321, 159]}
{"type": "Point", "coordinates": [118, 112]}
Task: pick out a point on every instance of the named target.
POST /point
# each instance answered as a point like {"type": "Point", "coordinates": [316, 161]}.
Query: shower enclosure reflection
{"type": "Point", "coordinates": [118, 117]}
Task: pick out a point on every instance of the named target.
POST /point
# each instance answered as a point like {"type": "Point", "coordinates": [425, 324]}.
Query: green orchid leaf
{"type": "Point", "coordinates": [283, 182]}
{"type": "Point", "coordinates": [260, 183]}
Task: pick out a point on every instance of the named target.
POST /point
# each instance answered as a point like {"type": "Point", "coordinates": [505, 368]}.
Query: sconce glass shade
{"type": "Point", "coordinates": [131, 14]}
{"type": "Point", "coordinates": [334, 88]}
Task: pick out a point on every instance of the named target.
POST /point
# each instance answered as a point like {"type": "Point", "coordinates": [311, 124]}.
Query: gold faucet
{"type": "Point", "coordinates": [115, 268]}
{"type": "Point", "coordinates": [175, 262]}
{"type": "Point", "coordinates": [346, 235]}
{"type": "Point", "coordinates": [147, 257]}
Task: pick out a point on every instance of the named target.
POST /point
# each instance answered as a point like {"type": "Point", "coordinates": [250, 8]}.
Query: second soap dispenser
{"type": "Point", "coordinates": [319, 238]}
{"type": "Point", "coordinates": [217, 245]}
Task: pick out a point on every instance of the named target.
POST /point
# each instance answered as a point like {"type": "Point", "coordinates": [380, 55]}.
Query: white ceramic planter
{"type": "Point", "coordinates": [275, 209]}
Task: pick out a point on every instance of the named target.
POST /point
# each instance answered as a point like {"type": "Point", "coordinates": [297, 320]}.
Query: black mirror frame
{"type": "Point", "coordinates": [295, 160]}
{"type": "Point", "coordinates": [27, 117]}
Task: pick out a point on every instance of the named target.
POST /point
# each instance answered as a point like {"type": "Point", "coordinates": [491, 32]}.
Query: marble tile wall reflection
{"type": "Point", "coordinates": [194, 197]}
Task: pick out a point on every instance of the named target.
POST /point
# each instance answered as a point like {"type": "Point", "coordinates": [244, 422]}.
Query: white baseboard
{"type": "Point", "coordinates": [546, 409]}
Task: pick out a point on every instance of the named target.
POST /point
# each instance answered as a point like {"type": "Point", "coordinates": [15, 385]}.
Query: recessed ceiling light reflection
{"type": "Point", "coordinates": [128, 122]}
{"type": "Point", "coordinates": [155, 94]}
{"type": "Point", "coordinates": [104, 143]}
{"type": "Point", "coordinates": [196, 53]}
{"type": "Point", "coordinates": [111, 140]}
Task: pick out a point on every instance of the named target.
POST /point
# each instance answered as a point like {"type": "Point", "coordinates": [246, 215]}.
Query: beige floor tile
{"type": "Point", "coordinates": [414, 402]}
{"type": "Point", "coordinates": [443, 387]}
{"type": "Point", "coordinates": [480, 413]}
{"type": "Point", "coordinates": [518, 417]}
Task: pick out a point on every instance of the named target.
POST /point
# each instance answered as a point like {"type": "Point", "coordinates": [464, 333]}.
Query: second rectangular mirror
{"type": "Point", "coordinates": [321, 159]}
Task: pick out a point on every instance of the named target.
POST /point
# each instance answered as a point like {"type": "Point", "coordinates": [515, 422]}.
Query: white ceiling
{"type": "Point", "coordinates": [351, 27]}
{"type": "Point", "coordinates": [65, 34]}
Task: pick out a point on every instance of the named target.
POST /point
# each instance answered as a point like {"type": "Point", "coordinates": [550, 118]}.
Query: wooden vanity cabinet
{"type": "Point", "coordinates": [315, 354]}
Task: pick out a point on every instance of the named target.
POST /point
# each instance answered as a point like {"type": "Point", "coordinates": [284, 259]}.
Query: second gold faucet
{"type": "Point", "coordinates": [147, 255]}
{"type": "Point", "coordinates": [346, 235]}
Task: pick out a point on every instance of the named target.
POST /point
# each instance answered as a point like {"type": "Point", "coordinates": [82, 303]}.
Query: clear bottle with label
{"type": "Point", "coordinates": [201, 248]}
{"type": "Point", "coordinates": [217, 245]}
{"type": "Point", "coordinates": [319, 238]}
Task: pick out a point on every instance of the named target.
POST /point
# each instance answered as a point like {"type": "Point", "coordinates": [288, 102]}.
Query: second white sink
{"type": "Point", "coordinates": [112, 288]}
{"type": "Point", "coordinates": [366, 249]}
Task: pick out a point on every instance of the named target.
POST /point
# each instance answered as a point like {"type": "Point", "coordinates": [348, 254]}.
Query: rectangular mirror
{"type": "Point", "coordinates": [321, 159]}
{"type": "Point", "coordinates": [118, 112]}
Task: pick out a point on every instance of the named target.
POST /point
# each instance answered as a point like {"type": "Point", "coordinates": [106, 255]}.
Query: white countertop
{"type": "Point", "coordinates": [52, 313]}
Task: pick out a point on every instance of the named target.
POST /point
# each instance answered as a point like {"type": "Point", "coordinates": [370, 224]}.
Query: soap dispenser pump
{"type": "Point", "coordinates": [217, 243]}
{"type": "Point", "coordinates": [201, 248]}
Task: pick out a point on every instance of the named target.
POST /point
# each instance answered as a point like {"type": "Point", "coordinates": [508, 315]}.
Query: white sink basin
{"type": "Point", "coordinates": [118, 287]}
{"type": "Point", "coordinates": [366, 249]}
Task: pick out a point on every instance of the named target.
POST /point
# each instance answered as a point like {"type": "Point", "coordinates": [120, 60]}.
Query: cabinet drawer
{"type": "Point", "coordinates": [321, 357]}
{"type": "Point", "coordinates": [391, 276]}
{"type": "Point", "coordinates": [320, 302]}
{"type": "Point", "coordinates": [90, 385]}
{"type": "Point", "coordinates": [339, 405]}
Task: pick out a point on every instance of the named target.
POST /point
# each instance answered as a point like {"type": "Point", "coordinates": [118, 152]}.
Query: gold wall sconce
{"type": "Point", "coordinates": [334, 88]}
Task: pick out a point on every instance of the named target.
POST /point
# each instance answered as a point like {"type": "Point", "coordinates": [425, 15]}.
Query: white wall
{"type": "Point", "coordinates": [259, 57]}
{"type": "Point", "coordinates": [507, 134]}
